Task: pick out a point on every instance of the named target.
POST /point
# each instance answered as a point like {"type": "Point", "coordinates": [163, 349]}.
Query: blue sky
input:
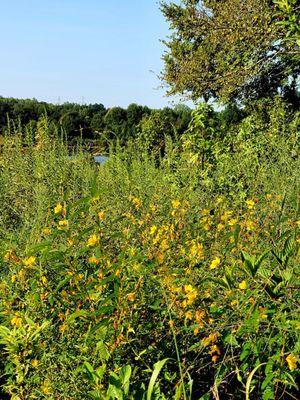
{"type": "Point", "coordinates": [82, 51]}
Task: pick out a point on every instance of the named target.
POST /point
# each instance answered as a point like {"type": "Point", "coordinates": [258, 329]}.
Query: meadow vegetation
{"type": "Point", "coordinates": [168, 272]}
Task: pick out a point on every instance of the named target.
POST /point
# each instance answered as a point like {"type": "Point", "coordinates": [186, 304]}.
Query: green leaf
{"type": "Point", "coordinates": [156, 370]}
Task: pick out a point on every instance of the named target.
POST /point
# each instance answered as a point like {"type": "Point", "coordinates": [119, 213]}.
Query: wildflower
{"type": "Point", "coordinates": [93, 240]}
{"type": "Point", "coordinates": [250, 204]}
{"type": "Point", "coordinates": [16, 321]}
{"type": "Point", "coordinates": [44, 280]}
{"type": "Point", "coordinates": [34, 363]}
{"type": "Point", "coordinates": [250, 225]}
{"type": "Point", "coordinates": [232, 221]}
{"type": "Point", "coordinates": [46, 387]}
{"type": "Point", "coordinates": [58, 208]}
{"type": "Point", "coordinates": [243, 285]}
{"type": "Point", "coordinates": [215, 350]}
{"type": "Point", "coordinates": [7, 255]}
{"type": "Point", "coordinates": [131, 297]}
{"type": "Point", "coordinates": [199, 315]}
{"type": "Point", "coordinates": [93, 260]}
{"type": "Point", "coordinates": [101, 215]}
{"type": "Point", "coordinates": [298, 224]}
{"type": "Point", "coordinates": [188, 288]}
{"type": "Point", "coordinates": [63, 328]}
{"type": "Point", "coordinates": [47, 231]}
{"type": "Point", "coordinates": [160, 257]}
{"type": "Point", "coordinates": [63, 224]}
{"type": "Point", "coordinates": [189, 315]}
{"type": "Point", "coordinates": [226, 216]}
{"type": "Point", "coordinates": [171, 323]}
{"type": "Point", "coordinates": [153, 229]}
{"type": "Point", "coordinates": [292, 362]}
{"type": "Point", "coordinates": [191, 296]}
{"type": "Point", "coordinates": [13, 278]}
{"type": "Point", "coordinates": [212, 338]}
{"type": "Point", "coordinates": [136, 201]}
{"type": "Point", "coordinates": [175, 203]}
{"type": "Point", "coordinates": [153, 207]}
{"type": "Point", "coordinates": [164, 245]}
{"type": "Point", "coordinates": [220, 227]}
{"type": "Point", "coordinates": [215, 263]}
{"type": "Point", "coordinates": [196, 250]}
{"type": "Point", "coordinates": [29, 261]}
{"type": "Point", "coordinates": [219, 200]}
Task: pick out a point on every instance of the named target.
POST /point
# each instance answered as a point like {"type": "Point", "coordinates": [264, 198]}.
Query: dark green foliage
{"type": "Point", "coordinates": [92, 121]}
{"type": "Point", "coordinates": [231, 49]}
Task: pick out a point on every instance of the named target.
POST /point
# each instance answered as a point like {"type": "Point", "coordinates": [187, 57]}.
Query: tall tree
{"type": "Point", "coordinates": [230, 49]}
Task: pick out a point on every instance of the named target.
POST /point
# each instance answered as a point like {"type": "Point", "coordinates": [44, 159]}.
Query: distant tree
{"type": "Point", "coordinates": [116, 123]}
{"type": "Point", "coordinates": [155, 127]}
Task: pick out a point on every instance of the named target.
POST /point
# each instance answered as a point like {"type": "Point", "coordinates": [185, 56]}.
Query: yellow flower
{"type": "Point", "coordinates": [13, 278]}
{"type": "Point", "coordinates": [226, 215]}
{"type": "Point", "coordinates": [153, 229]}
{"type": "Point", "coordinates": [164, 245]}
{"type": "Point", "coordinates": [29, 261]}
{"type": "Point", "coordinates": [215, 350]}
{"type": "Point", "coordinates": [232, 221]}
{"type": "Point", "coordinates": [189, 315]}
{"type": "Point", "coordinates": [63, 223]}
{"type": "Point", "coordinates": [215, 263]}
{"type": "Point", "coordinates": [153, 207]}
{"type": "Point", "coordinates": [250, 225]}
{"type": "Point", "coordinates": [34, 363]}
{"type": "Point", "coordinates": [175, 203]}
{"type": "Point", "coordinates": [93, 240]}
{"type": "Point", "coordinates": [212, 338]}
{"type": "Point", "coordinates": [292, 362]}
{"type": "Point", "coordinates": [136, 201]}
{"type": "Point", "coordinates": [160, 257]}
{"type": "Point", "coordinates": [220, 227]}
{"type": "Point", "coordinates": [58, 208]}
{"type": "Point", "coordinates": [46, 387]}
{"type": "Point", "coordinates": [8, 255]}
{"type": "Point", "coordinates": [63, 328]}
{"type": "Point", "coordinates": [199, 316]}
{"type": "Point", "coordinates": [191, 297]}
{"type": "Point", "coordinates": [243, 285]}
{"type": "Point", "coordinates": [101, 215]}
{"type": "Point", "coordinates": [131, 297]}
{"type": "Point", "coordinates": [196, 250]}
{"type": "Point", "coordinates": [46, 231]}
{"type": "Point", "coordinates": [298, 223]}
{"type": "Point", "coordinates": [250, 204]}
{"type": "Point", "coordinates": [44, 280]}
{"type": "Point", "coordinates": [93, 260]}
{"type": "Point", "coordinates": [188, 288]}
{"type": "Point", "coordinates": [16, 321]}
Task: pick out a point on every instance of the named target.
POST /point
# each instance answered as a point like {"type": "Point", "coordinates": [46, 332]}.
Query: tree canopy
{"type": "Point", "coordinates": [231, 49]}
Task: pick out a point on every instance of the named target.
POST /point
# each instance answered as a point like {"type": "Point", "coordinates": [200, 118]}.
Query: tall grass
{"type": "Point", "coordinates": [149, 277]}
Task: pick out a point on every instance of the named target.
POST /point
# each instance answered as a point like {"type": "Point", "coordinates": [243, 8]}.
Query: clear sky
{"type": "Point", "coordinates": [91, 51]}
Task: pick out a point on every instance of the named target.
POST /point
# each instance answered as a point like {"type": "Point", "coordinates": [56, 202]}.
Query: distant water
{"type": "Point", "coordinates": [100, 159]}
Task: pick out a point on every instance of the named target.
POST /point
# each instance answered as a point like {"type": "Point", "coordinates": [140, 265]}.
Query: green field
{"type": "Point", "coordinates": [152, 276]}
